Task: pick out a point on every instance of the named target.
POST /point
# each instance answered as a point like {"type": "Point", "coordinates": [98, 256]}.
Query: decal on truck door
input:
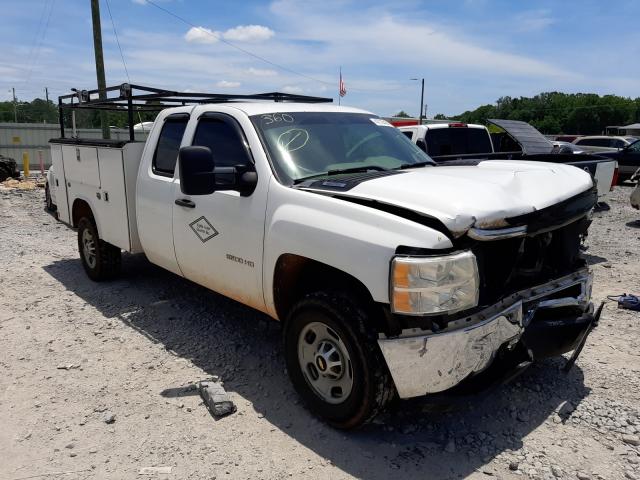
{"type": "Point", "coordinates": [203, 229]}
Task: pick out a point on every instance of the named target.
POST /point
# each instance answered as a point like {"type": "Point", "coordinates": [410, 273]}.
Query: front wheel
{"type": "Point", "coordinates": [334, 361]}
{"type": "Point", "coordinates": [100, 259]}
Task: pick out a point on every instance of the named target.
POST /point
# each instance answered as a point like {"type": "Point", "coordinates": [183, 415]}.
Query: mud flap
{"type": "Point", "coordinates": [576, 353]}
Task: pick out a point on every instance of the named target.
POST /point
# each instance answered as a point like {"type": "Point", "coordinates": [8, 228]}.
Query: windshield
{"type": "Point", "coordinates": [307, 144]}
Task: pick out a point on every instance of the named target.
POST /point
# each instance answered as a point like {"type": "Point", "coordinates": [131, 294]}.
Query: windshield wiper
{"type": "Point", "coordinates": [404, 166]}
{"type": "Point", "coordinates": [339, 171]}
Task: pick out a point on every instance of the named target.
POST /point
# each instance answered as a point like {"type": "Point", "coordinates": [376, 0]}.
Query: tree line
{"type": "Point", "coordinates": [42, 111]}
{"type": "Point", "coordinates": [560, 113]}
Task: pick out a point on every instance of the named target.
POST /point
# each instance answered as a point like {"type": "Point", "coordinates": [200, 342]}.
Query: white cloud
{"type": "Point", "coordinates": [227, 84]}
{"type": "Point", "coordinates": [241, 33]}
{"type": "Point", "coordinates": [249, 33]}
{"type": "Point", "coordinates": [294, 89]}
{"type": "Point", "coordinates": [533, 20]}
{"type": "Point", "coordinates": [262, 72]}
{"type": "Point", "coordinates": [201, 35]}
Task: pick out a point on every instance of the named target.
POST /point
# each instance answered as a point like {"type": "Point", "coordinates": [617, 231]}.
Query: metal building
{"type": "Point", "coordinates": [33, 138]}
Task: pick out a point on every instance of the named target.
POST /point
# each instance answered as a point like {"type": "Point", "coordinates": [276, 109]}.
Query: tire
{"type": "Point", "coordinates": [100, 259]}
{"type": "Point", "coordinates": [47, 199]}
{"type": "Point", "coordinates": [365, 386]}
{"type": "Point", "coordinates": [7, 168]}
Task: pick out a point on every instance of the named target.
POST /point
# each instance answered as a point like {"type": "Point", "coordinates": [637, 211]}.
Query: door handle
{"type": "Point", "coordinates": [185, 202]}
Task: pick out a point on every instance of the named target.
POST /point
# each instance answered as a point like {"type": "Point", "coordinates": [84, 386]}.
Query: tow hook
{"type": "Point", "coordinates": [576, 353]}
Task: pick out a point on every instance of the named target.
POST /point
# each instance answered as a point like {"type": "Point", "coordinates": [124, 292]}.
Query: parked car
{"type": "Point", "coordinates": [391, 275]}
{"type": "Point", "coordinates": [566, 147]}
{"type": "Point", "coordinates": [635, 195]}
{"type": "Point", "coordinates": [602, 143]}
{"type": "Point", "coordinates": [457, 143]}
{"type": "Point", "coordinates": [628, 158]}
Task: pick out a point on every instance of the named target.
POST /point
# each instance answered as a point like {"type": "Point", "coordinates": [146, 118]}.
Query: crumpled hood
{"type": "Point", "coordinates": [477, 196]}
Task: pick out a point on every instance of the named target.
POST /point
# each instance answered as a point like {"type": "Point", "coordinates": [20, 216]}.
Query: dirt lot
{"type": "Point", "coordinates": [91, 377]}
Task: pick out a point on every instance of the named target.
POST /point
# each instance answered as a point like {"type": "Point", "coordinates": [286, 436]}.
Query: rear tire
{"type": "Point", "coordinates": [100, 259]}
{"type": "Point", "coordinates": [334, 361]}
{"type": "Point", "coordinates": [47, 199]}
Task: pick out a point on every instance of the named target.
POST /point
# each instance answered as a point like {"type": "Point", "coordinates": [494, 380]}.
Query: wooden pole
{"type": "Point", "coordinates": [97, 47]}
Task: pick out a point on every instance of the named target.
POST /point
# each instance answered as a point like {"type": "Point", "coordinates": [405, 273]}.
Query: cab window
{"type": "Point", "coordinates": [223, 139]}
{"type": "Point", "coordinates": [168, 146]}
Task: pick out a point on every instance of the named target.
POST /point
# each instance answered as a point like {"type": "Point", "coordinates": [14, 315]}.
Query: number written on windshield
{"type": "Point", "coordinates": [276, 118]}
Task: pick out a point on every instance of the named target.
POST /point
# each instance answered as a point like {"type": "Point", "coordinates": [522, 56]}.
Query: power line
{"type": "Point", "coordinates": [254, 55]}
{"type": "Point", "coordinates": [45, 6]}
{"type": "Point", "coordinates": [124, 64]}
{"type": "Point", "coordinates": [39, 46]}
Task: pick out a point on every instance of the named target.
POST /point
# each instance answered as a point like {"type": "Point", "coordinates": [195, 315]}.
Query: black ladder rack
{"type": "Point", "coordinates": [130, 98]}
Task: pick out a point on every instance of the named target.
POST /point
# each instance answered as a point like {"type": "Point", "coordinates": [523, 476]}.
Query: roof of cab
{"type": "Point", "coordinates": [258, 108]}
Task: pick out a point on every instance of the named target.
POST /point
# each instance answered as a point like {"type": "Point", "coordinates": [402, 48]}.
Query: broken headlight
{"type": "Point", "coordinates": [431, 285]}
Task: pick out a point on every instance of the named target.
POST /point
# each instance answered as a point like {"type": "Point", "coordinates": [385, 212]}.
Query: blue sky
{"type": "Point", "coordinates": [470, 52]}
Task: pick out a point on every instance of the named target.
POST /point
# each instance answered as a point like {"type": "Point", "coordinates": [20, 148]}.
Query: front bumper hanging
{"type": "Point", "coordinates": [421, 364]}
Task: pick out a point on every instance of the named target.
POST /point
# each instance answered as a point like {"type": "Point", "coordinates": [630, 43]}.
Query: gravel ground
{"type": "Point", "coordinates": [93, 379]}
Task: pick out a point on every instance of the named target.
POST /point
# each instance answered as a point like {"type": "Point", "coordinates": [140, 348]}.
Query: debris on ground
{"type": "Point", "coordinates": [216, 398]}
{"type": "Point", "coordinates": [21, 184]}
{"type": "Point", "coordinates": [630, 302]}
{"type": "Point", "coordinates": [108, 418]}
{"type": "Point", "coordinates": [68, 366]}
{"type": "Point", "coordinates": [154, 470]}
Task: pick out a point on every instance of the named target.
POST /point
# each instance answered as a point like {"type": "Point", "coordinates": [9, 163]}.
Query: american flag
{"type": "Point", "coordinates": [342, 86]}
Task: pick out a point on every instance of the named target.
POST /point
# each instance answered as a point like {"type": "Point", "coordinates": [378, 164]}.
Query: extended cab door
{"type": "Point", "coordinates": [218, 238]}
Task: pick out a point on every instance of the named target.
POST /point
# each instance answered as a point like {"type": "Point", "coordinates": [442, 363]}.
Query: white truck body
{"type": "Point", "coordinates": [250, 246]}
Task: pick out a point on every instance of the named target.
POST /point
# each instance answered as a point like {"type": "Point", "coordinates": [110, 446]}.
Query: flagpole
{"type": "Point", "coordinates": [339, 84]}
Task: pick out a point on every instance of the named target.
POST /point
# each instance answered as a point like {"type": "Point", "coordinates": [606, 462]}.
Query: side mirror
{"type": "Point", "coordinates": [420, 143]}
{"type": "Point", "coordinates": [197, 167]}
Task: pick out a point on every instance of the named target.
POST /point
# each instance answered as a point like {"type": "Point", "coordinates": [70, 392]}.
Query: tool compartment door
{"type": "Point", "coordinates": [112, 201]}
{"type": "Point", "coordinates": [60, 185]}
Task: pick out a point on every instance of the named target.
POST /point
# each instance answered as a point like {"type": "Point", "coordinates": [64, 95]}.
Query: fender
{"type": "Point", "coordinates": [353, 238]}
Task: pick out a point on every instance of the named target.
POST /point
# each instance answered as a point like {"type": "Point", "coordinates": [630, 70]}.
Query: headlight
{"type": "Point", "coordinates": [430, 285]}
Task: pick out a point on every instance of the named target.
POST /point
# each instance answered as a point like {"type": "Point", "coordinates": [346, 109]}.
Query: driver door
{"type": "Point", "coordinates": [218, 238]}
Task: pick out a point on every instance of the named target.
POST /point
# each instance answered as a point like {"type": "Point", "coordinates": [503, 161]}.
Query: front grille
{"type": "Point", "coordinates": [509, 265]}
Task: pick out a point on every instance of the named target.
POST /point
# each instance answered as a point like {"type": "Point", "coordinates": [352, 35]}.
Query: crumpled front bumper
{"type": "Point", "coordinates": [422, 364]}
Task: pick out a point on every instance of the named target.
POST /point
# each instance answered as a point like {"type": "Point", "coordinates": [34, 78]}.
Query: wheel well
{"type": "Point", "coordinates": [79, 210]}
{"type": "Point", "coordinates": [295, 276]}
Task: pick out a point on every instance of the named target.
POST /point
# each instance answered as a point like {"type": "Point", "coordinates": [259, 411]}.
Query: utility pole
{"type": "Point", "coordinates": [421, 102]}
{"type": "Point", "coordinates": [46, 94]}
{"type": "Point", "coordinates": [421, 99]}
{"type": "Point", "coordinates": [15, 105]}
{"type": "Point", "coordinates": [97, 46]}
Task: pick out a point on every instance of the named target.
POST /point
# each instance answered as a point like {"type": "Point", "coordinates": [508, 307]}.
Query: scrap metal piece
{"type": "Point", "coordinates": [576, 353]}
{"type": "Point", "coordinates": [216, 398]}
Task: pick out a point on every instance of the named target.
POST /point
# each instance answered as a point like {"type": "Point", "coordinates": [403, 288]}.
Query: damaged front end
{"type": "Point", "coordinates": [533, 302]}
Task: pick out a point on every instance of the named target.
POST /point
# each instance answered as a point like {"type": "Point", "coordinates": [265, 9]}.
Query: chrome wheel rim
{"type": "Point", "coordinates": [325, 362]}
{"type": "Point", "coordinates": [89, 248]}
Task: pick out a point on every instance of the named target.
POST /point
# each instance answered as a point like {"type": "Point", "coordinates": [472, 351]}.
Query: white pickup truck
{"type": "Point", "coordinates": [391, 276]}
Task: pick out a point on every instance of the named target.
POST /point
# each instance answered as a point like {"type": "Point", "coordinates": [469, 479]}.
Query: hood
{"type": "Point", "coordinates": [479, 196]}
{"type": "Point", "coordinates": [531, 141]}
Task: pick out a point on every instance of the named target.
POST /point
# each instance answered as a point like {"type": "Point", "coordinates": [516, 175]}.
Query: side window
{"type": "Point", "coordinates": [409, 134]}
{"type": "Point", "coordinates": [617, 143]}
{"type": "Point", "coordinates": [166, 154]}
{"type": "Point", "coordinates": [635, 147]}
{"type": "Point", "coordinates": [223, 140]}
